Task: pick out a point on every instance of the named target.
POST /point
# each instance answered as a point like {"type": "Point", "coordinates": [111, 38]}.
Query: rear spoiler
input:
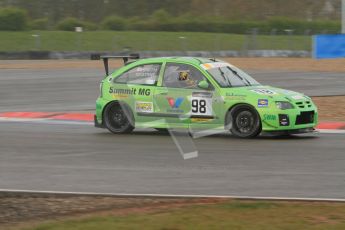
{"type": "Point", "coordinates": [107, 57]}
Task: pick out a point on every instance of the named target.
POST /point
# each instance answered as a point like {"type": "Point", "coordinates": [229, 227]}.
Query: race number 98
{"type": "Point", "coordinates": [199, 106]}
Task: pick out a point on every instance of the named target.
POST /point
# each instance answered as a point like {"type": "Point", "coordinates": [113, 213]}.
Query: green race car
{"type": "Point", "coordinates": [196, 93]}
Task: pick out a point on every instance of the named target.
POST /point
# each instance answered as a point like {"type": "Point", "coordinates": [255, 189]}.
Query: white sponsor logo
{"type": "Point", "coordinates": [264, 91]}
{"type": "Point", "coordinates": [298, 97]}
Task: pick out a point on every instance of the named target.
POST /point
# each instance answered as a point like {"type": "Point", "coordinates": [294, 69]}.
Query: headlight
{"type": "Point", "coordinates": [284, 105]}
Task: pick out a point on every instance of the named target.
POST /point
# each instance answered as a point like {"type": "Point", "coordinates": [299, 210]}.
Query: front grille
{"type": "Point", "coordinates": [305, 118]}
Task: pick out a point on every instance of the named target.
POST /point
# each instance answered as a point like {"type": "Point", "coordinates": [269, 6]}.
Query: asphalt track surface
{"type": "Point", "coordinates": [76, 89]}
{"type": "Point", "coordinates": [80, 158]}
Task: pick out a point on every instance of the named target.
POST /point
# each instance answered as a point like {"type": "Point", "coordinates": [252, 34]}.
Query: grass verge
{"type": "Point", "coordinates": [114, 41]}
{"type": "Point", "coordinates": [228, 214]}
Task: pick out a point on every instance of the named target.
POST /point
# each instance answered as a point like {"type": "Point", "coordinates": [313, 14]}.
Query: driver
{"type": "Point", "coordinates": [185, 77]}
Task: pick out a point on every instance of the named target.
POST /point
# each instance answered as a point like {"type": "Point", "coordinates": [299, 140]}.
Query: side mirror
{"type": "Point", "coordinates": [203, 84]}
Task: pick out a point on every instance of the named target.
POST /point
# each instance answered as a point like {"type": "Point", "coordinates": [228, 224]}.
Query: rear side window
{"type": "Point", "coordinates": [141, 75]}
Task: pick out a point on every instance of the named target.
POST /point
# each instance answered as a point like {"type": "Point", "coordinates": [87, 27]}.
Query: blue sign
{"type": "Point", "coordinates": [329, 46]}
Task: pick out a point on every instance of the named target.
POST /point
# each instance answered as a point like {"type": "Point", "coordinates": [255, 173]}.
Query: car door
{"type": "Point", "coordinates": [179, 99]}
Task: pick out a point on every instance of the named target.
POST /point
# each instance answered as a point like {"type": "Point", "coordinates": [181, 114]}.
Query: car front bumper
{"type": "Point", "coordinates": [290, 120]}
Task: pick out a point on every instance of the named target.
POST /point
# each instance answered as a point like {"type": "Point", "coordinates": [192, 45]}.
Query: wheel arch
{"type": "Point", "coordinates": [231, 108]}
{"type": "Point", "coordinates": [120, 103]}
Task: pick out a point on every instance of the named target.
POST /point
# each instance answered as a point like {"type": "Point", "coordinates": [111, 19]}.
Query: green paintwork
{"type": "Point", "coordinates": [160, 114]}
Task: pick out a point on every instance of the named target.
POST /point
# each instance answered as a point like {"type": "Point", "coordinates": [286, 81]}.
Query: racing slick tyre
{"type": "Point", "coordinates": [244, 121]}
{"type": "Point", "coordinates": [118, 118]}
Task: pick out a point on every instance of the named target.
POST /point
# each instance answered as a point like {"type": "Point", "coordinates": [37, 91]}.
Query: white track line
{"type": "Point", "coordinates": [175, 195]}
{"type": "Point", "coordinates": [45, 121]}
{"type": "Point", "coordinates": [333, 131]}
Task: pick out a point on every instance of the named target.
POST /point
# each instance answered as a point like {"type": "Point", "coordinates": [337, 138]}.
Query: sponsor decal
{"type": "Point", "coordinates": [270, 117]}
{"type": "Point", "coordinates": [130, 91]}
{"type": "Point", "coordinates": [201, 119]}
{"type": "Point", "coordinates": [120, 96]}
{"type": "Point", "coordinates": [263, 103]}
{"type": "Point", "coordinates": [284, 120]}
{"type": "Point", "coordinates": [144, 107]}
{"type": "Point", "coordinates": [231, 96]}
{"type": "Point", "coordinates": [298, 97]}
{"type": "Point", "coordinates": [264, 91]}
{"type": "Point", "coordinates": [144, 92]}
{"type": "Point", "coordinates": [241, 98]}
{"type": "Point", "coordinates": [202, 94]}
{"type": "Point", "coordinates": [175, 104]}
{"type": "Point", "coordinates": [206, 66]}
{"type": "Point", "coordinates": [213, 65]}
{"type": "Point", "coordinates": [236, 95]}
{"type": "Point", "coordinates": [288, 92]}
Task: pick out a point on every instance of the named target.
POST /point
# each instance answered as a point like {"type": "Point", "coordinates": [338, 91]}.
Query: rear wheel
{"type": "Point", "coordinates": [118, 118]}
{"type": "Point", "coordinates": [243, 121]}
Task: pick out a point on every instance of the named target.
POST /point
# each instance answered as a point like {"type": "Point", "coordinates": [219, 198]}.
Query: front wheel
{"type": "Point", "coordinates": [118, 118]}
{"type": "Point", "coordinates": [244, 121]}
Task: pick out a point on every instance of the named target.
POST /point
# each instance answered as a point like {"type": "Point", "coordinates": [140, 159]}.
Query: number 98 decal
{"type": "Point", "coordinates": [201, 106]}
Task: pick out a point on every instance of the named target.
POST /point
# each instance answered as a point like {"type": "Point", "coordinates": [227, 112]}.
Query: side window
{"type": "Point", "coordinates": [182, 76]}
{"type": "Point", "coordinates": [141, 75]}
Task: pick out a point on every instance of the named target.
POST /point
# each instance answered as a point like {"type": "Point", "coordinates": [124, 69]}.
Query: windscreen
{"type": "Point", "coordinates": [227, 75]}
